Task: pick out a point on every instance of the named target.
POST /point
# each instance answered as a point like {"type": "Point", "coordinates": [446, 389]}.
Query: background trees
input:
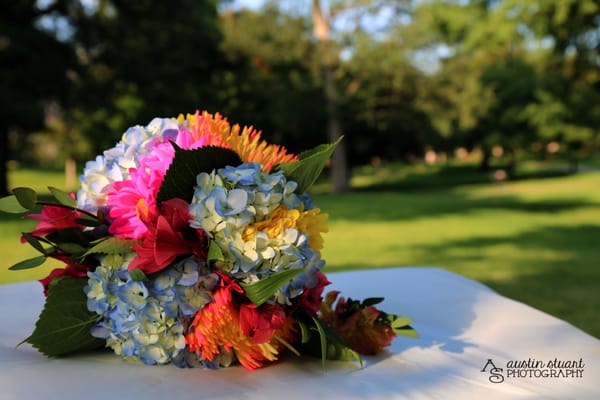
{"type": "Point", "coordinates": [397, 78]}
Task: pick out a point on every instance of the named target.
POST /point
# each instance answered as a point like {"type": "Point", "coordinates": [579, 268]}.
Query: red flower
{"type": "Point", "coordinates": [170, 238]}
{"type": "Point", "coordinates": [310, 300]}
{"type": "Point", "coordinates": [76, 270]}
{"type": "Point", "coordinates": [260, 323]}
{"type": "Point", "coordinates": [54, 218]}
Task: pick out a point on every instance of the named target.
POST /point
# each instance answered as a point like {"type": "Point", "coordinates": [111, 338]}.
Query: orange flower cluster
{"type": "Point", "coordinates": [217, 131]}
{"type": "Point", "coordinates": [255, 338]}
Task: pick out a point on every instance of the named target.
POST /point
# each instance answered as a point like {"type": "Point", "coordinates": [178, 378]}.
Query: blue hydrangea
{"type": "Point", "coordinates": [145, 320]}
{"type": "Point", "coordinates": [229, 200]}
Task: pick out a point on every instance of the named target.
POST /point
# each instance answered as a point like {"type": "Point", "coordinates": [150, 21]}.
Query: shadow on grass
{"type": "Point", "coordinates": [451, 176]}
{"type": "Point", "coordinates": [393, 206]}
{"type": "Point", "coordinates": [566, 287]}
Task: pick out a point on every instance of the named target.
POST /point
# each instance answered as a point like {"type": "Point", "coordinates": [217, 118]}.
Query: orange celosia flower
{"type": "Point", "coordinates": [216, 131]}
{"type": "Point", "coordinates": [218, 326]}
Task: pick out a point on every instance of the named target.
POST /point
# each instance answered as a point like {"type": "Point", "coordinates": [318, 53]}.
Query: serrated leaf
{"type": "Point", "coordinates": [112, 245]}
{"type": "Point", "coordinates": [11, 205]}
{"type": "Point", "coordinates": [29, 263]}
{"type": "Point", "coordinates": [261, 291]}
{"type": "Point", "coordinates": [25, 196]}
{"type": "Point", "coordinates": [180, 178]}
{"type": "Point", "coordinates": [33, 242]}
{"type": "Point", "coordinates": [64, 324]}
{"type": "Point", "coordinates": [306, 171]}
{"type": "Point", "coordinates": [62, 197]}
{"type": "Point", "coordinates": [138, 275]}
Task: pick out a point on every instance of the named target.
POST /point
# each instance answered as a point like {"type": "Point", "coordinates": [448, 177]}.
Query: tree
{"type": "Point", "coordinates": [34, 70]}
{"type": "Point", "coordinates": [142, 59]}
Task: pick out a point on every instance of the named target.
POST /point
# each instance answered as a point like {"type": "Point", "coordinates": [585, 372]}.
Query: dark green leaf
{"type": "Point", "coordinates": [87, 220]}
{"type": "Point", "coordinates": [64, 324]}
{"type": "Point", "coordinates": [261, 291]}
{"type": "Point", "coordinates": [371, 301]}
{"type": "Point", "coordinates": [112, 245]}
{"type": "Point", "coordinates": [180, 178]}
{"type": "Point", "coordinates": [29, 263]}
{"type": "Point", "coordinates": [10, 204]}
{"type": "Point", "coordinates": [68, 235]}
{"type": "Point", "coordinates": [306, 171]}
{"type": "Point", "coordinates": [25, 196]}
{"type": "Point", "coordinates": [138, 275]}
{"type": "Point", "coordinates": [34, 242]}
{"type": "Point", "coordinates": [62, 197]}
{"type": "Point", "coordinates": [71, 248]}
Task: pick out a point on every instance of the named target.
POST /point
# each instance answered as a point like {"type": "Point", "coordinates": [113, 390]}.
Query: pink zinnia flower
{"type": "Point", "coordinates": [133, 202]}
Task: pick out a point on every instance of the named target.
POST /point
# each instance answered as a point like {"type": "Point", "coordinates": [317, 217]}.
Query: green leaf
{"type": "Point", "coordinates": [64, 324]}
{"type": "Point", "coordinates": [325, 343]}
{"type": "Point", "coordinates": [87, 220]}
{"type": "Point", "coordinates": [306, 171]}
{"type": "Point", "coordinates": [371, 301]}
{"type": "Point", "coordinates": [10, 204]}
{"type": "Point", "coordinates": [29, 263]}
{"type": "Point", "coordinates": [261, 291]}
{"type": "Point", "coordinates": [180, 178]}
{"type": "Point", "coordinates": [34, 242]}
{"type": "Point", "coordinates": [25, 196]}
{"type": "Point", "coordinates": [62, 197]}
{"type": "Point", "coordinates": [214, 252]}
{"type": "Point", "coordinates": [400, 325]}
{"type": "Point", "coordinates": [304, 332]}
{"type": "Point", "coordinates": [138, 275]}
{"type": "Point", "coordinates": [322, 339]}
{"type": "Point", "coordinates": [71, 248]}
{"type": "Point", "coordinates": [112, 245]}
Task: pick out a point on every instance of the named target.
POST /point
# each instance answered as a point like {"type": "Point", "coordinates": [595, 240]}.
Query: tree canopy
{"type": "Point", "coordinates": [396, 78]}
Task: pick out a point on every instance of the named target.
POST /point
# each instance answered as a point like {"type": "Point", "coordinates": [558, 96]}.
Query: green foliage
{"type": "Point", "coordinates": [64, 324]}
{"type": "Point", "coordinates": [180, 179]}
{"type": "Point", "coordinates": [261, 291]}
{"type": "Point", "coordinates": [306, 171]}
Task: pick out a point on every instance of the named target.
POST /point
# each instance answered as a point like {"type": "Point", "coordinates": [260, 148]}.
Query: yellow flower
{"type": "Point", "coordinates": [308, 222]}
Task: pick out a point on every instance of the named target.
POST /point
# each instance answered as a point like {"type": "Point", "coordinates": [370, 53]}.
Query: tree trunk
{"type": "Point", "coordinates": [339, 167]}
{"type": "Point", "coordinates": [70, 174]}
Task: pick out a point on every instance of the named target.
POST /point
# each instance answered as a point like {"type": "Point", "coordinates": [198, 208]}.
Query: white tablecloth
{"type": "Point", "coordinates": [462, 324]}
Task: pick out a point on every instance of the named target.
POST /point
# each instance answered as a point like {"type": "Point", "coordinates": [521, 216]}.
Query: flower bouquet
{"type": "Point", "coordinates": [194, 242]}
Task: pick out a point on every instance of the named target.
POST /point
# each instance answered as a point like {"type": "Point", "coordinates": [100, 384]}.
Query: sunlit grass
{"type": "Point", "coordinates": [532, 240]}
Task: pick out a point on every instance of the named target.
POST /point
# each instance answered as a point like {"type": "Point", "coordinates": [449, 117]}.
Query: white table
{"type": "Point", "coordinates": [462, 325]}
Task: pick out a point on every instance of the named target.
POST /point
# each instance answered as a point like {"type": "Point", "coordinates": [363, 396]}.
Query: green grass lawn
{"type": "Point", "coordinates": [536, 241]}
